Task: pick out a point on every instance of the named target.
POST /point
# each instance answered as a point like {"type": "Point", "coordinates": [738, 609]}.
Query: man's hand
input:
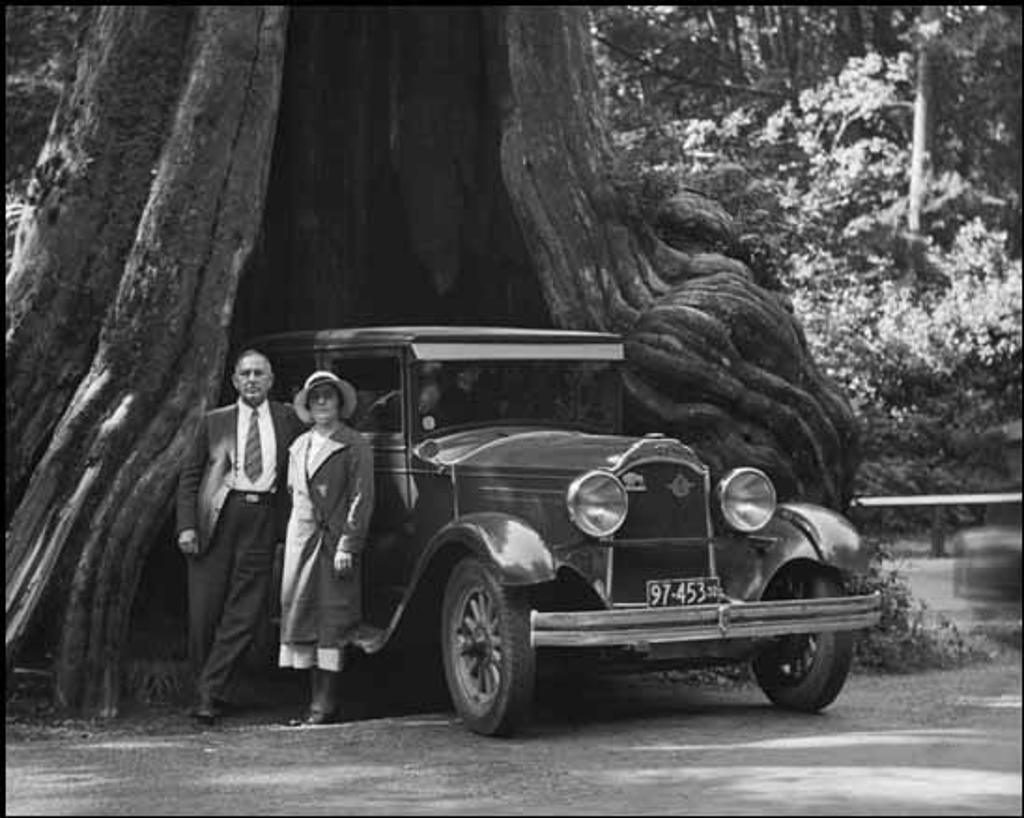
{"type": "Point", "coordinates": [188, 542]}
{"type": "Point", "coordinates": [342, 563]}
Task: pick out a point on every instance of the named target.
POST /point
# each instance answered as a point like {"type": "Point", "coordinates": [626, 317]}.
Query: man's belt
{"type": "Point", "coordinates": [258, 498]}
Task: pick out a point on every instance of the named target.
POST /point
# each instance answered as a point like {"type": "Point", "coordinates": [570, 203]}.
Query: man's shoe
{"type": "Point", "coordinates": [206, 711]}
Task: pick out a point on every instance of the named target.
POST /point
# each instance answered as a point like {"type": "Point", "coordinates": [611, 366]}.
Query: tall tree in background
{"type": "Point", "coordinates": [668, 64]}
{"type": "Point", "coordinates": [920, 156]}
{"type": "Point", "coordinates": [427, 165]}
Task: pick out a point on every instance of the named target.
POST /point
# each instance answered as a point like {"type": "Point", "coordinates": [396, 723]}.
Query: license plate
{"type": "Point", "coordinates": [669, 593]}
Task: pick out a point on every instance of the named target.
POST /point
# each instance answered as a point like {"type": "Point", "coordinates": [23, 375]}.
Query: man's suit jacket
{"type": "Point", "coordinates": [208, 474]}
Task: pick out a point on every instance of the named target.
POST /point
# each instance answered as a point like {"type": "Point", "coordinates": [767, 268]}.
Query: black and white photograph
{"type": "Point", "coordinates": [513, 410]}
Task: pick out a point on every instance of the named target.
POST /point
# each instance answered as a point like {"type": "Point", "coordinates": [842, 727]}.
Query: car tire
{"type": "Point", "coordinates": [805, 672]}
{"type": "Point", "coordinates": [489, 663]}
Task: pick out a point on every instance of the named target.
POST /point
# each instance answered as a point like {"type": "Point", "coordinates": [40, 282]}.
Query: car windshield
{"type": "Point", "coordinates": [567, 393]}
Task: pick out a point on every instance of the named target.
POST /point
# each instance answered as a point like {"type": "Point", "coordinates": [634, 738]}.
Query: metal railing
{"type": "Point", "coordinates": [937, 502]}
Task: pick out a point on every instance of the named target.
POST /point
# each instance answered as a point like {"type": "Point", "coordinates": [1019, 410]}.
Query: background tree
{"type": "Point", "coordinates": [920, 158]}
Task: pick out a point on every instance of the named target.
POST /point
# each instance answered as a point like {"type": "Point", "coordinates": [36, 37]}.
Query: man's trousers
{"type": "Point", "coordinates": [228, 587]}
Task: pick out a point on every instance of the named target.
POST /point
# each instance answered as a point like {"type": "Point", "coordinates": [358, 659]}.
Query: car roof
{"type": "Point", "coordinates": [433, 342]}
{"type": "Point", "coordinates": [412, 334]}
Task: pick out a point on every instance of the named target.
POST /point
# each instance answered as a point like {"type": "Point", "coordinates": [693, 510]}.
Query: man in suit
{"type": "Point", "coordinates": [232, 512]}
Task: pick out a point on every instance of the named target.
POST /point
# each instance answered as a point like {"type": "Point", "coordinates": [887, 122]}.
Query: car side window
{"type": "Point", "coordinates": [378, 383]}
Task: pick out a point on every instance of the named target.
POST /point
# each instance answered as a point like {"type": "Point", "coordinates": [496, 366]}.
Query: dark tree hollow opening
{"type": "Point", "coordinates": [386, 202]}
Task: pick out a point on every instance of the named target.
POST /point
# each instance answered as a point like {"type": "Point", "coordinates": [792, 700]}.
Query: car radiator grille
{"type": "Point", "coordinates": [665, 534]}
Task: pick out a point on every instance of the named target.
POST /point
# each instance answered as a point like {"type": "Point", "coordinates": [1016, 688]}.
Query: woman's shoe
{"type": "Point", "coordinates": [319, 717]}
{"type": "Point", "coordinates": [323, 699]}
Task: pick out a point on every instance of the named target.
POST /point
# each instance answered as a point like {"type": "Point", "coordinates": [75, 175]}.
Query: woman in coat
{"type": "Point", "coordinates": [330, 476]}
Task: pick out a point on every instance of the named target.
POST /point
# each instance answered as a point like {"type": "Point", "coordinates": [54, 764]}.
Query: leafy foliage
{"type": "Point", "coordinates": [904, 640]}
{"type": "Point", "coordinates": [812, 156]}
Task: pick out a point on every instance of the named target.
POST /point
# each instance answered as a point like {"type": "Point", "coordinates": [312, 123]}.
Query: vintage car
{"type": "Point", "coordinates": [515, 523]}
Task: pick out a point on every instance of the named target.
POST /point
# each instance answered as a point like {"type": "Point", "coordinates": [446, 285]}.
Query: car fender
{"type": "Point", "coordinates": [835, 541]}
{"type": "Point", "coordinates": [509, 543]}
{"type": "Point", "coordinates": [798, 533]}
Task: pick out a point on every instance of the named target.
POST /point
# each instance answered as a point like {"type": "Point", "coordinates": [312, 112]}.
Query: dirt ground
{"type": "Point", "coordinates": [935, 743]}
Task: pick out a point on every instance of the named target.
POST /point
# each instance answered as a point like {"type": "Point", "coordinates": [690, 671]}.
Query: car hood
{"type": "Point", "coordinates": [549, 449]}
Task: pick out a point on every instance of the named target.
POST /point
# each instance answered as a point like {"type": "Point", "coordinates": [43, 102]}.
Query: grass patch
{"type": "Point", "coordinates": [908, 638]}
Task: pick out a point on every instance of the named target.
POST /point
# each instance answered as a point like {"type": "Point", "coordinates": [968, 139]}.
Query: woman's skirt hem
{"type": "Point", "coordinates": [306, 656]}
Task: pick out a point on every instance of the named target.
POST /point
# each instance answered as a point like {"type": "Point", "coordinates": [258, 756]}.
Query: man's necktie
{"type": "Point", "coordinates": [253, 462]}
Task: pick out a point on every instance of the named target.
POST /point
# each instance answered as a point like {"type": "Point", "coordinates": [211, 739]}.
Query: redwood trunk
{"type": "Point", "coordinates": [136, 334]}
{"type": "Point", "coordinates": [89, 187]}
{"type": "Point", "coordinates": [714, 357]}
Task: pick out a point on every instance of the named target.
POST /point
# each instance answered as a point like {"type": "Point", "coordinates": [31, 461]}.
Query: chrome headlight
{"type": "Point", "coordinates": [597, 503]}
{"type": "Point", "coordinates": [747, 498]}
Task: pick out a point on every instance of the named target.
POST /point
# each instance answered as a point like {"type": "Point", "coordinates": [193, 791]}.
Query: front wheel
{"type": "Point", "coordinates": [488, 661]}
{"type": "Point", "coordinates": [805, 671]}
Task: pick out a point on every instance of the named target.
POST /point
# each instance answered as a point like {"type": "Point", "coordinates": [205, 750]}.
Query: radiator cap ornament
{"type": "Point", "coordinates": [680, 486]}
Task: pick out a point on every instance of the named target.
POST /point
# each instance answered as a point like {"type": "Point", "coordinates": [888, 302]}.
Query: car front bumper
{"type": "Point", "coordinates": [638, 627]}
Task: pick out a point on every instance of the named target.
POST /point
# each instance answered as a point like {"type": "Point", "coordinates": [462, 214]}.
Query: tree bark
{"type": "Point", "coordinates": [884, 36]}
{"type": "Point", "coordinates": [1015, 214]}
{"type": "Point", "coordinates": [851, 30]}
{"type": "Point", "coordinates": [429, 165]}
{"type": "Point", "coordinates": [714, 357]}
{"type": "Point", "coordinates": [73, 247]}
{"type": "Point", "coordinates": [763, 26]}
{"type": "Point", "coordinates": [173, 208]}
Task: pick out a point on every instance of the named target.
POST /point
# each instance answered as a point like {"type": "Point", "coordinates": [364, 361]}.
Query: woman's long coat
{"type": "Point", "coordinates": [332, 500]}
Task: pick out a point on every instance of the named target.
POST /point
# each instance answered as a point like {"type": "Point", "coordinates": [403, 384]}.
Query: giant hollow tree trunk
{"type": "Point", "coordinates": [428, 165]}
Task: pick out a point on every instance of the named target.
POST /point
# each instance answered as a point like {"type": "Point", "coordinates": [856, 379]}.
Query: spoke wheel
{"type": "Point", "coordinates": [488, 661]}
{"type": "Point", "coordinates": [805, 671]}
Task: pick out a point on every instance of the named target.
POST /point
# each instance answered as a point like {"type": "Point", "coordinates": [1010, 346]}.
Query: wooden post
{"type": "Point", "coordinates": [938, 533]}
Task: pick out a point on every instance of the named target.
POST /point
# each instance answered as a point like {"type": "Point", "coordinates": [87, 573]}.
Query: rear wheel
{"type": "Point", "coordinates": [488, 661]}
{"type": "Point", "coordinates": [805, 671]}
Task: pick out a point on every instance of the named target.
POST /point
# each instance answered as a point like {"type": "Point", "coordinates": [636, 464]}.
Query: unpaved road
{"type": "Point", "coordinates": [935, 743]}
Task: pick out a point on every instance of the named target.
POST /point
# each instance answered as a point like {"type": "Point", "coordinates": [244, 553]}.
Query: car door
{"type": "Point", "coordinates": [388, 562]}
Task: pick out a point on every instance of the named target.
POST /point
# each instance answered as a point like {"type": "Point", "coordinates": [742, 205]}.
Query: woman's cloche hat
{"type": "Point", "coordinates": [346, 392]}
